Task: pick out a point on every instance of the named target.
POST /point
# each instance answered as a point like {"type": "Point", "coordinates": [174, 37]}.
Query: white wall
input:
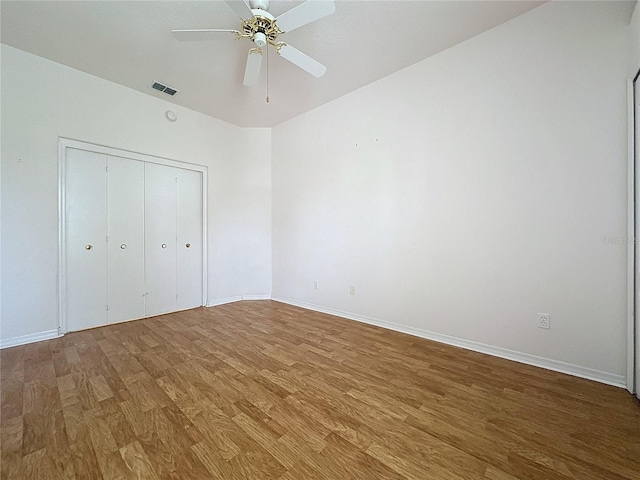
{"type": "Point", "coordinates": [466, 193]}
{"type": "Point", "coordinates": [241, 226]}
{"type": "Point", "coordinates": [42, 100]}
{"type": "Point", "coordinates": [634, 39]}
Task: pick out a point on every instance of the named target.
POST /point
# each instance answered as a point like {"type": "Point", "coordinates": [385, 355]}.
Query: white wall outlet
{"type": "Point", "coordinates": [352, 290]}
{"type": "Point", "coordinates": [315, 285]}
{"type": "Point", "coordinates": [544, 320]}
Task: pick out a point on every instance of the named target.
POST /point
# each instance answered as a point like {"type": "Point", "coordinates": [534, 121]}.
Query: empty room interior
{"type": "Point", "coordinates": [319, 240]}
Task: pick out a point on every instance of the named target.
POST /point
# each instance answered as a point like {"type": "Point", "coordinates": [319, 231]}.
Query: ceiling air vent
{"type": "Point", "coordinates": [164, 88]}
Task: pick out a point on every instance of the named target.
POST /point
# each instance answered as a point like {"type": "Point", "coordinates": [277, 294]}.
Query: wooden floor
{"type": "Point", "coordinates": [257, 390]}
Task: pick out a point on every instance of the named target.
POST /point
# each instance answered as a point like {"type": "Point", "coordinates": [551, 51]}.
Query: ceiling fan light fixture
{"type": "Point", "coordinates": [260, 39]}
{"type": "Point", "coordinates": [260, 28]}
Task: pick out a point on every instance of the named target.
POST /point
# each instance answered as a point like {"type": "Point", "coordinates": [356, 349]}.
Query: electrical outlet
{"type": "Point", "coordinates": [315, 285]}
{"type": "Point", "coordinates": [544, 320]}
{"type": "Point", "coordinates": [352, 290]}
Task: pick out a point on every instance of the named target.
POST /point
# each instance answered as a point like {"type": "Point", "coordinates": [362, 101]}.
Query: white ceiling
{"type": "Point", "coordinates": [130, 43]}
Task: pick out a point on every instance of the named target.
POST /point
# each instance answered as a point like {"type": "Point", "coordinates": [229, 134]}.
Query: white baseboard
{"type": "Point", "coordinates": [256, 297]}
{"type": "Point", "coordinates": [238, 298]}
{"type": "Point", "coordinates": [223, 301]}
{"type": "Point", "coordinates": [33, 337]}
{"type": "Point", "coordinates": [547, 363]}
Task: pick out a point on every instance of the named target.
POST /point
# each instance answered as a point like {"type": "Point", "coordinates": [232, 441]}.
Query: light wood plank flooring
{"type": "Point", "coordinates": [263, 390]}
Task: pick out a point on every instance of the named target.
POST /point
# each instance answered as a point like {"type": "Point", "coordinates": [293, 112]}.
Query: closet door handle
{"type": "Point", "coordinates": [188, 245]}
{"type": "Point", "coordinates": [123, 246]}
{"type": "Point", "coordinates": [164, 245]}
{"type": "Point", "coordinates": [88, 247]}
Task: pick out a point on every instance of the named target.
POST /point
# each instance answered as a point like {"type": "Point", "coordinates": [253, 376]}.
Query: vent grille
{"type": "Point", "coordinates": [164, 88]}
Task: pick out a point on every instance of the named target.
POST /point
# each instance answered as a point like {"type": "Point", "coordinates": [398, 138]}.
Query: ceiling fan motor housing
{"type": "Point", "coordinates": [260, 4]}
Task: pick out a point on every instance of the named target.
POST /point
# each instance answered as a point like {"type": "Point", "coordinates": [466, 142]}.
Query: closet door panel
{"type": "Point", "coordinates": [85, 239]}
{"type": "Point", "coordinates": [125, 192]}
{"type": "Point", "coordinates": [160, 238]}
{"type": "Point", "coordinates": [189, 243]}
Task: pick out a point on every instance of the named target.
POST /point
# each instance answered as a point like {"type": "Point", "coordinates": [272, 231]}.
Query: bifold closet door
{"type": "Point", "coordinates": [173, 239]}
{"type": "Point", "coordinates": [125, 230]}
{"type": "Point", "coordinates": [189, 239]}
{"type": "Point", "coordinates": [133, 239]}
{"type": "Point", "coordinates": [160, 238]}
{"type": "Point", "coordinates": [85, 239]}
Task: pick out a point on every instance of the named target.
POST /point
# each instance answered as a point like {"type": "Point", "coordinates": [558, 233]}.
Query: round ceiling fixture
{"type": "Point", "coordinates": [260, 39]}
{"type": "Point", "coordinates": [171, 116]}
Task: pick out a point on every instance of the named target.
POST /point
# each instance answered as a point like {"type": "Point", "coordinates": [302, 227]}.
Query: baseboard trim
{"type": "Point", "coordinates": [256, 297]}
{"type": "Point", "coordinates": [536, 361]}
{"type": "Point", "coordinates": [223, 301]}
{"type": "Point", "coordinates": [542, 362]}
{"type": "Point", "coordinates": [238, 298]}
{"type": "Point", "coordinates": [31, 338]}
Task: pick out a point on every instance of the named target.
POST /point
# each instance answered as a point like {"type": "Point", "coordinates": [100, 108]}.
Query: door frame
{"type": "Point", "coordinates": [66, 143]}
{"type": "Point", "coordinates": [633, 235]}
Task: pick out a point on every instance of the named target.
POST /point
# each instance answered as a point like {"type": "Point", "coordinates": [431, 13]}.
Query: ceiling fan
{"type": "Point", "coordinates": [263, 29]}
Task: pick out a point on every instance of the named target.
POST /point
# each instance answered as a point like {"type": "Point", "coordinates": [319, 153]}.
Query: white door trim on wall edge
{"type": "Point", "coordinates": [631, 240]}
{"type": "Point", "coordinates": [63, 144]}
{"type": "Point", "coordinates": [31, 338]}
{"type": "Point", "coordinates": [546, 363]}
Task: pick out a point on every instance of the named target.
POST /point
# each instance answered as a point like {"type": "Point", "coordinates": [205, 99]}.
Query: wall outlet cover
{"type": "Point", "coordinates": [544, 320]}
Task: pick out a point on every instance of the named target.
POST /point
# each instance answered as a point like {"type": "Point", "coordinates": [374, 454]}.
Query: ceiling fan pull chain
{"type": "Point", "coordinates": [267, 73]}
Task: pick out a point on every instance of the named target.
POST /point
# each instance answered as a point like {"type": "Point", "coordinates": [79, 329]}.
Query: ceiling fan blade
{"type": "Point", "coordinates": [200, 34]}
{"type": "Point", "coordinates": [301, 60]}
{"type": "Point", "coordinates": [252, 70]}
{"type": "Point", "coordinates": [305, 13]}
{"type": "Point", "coordinates": [241, 8]}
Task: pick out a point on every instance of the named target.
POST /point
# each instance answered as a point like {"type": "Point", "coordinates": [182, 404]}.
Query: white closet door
{"type": "Point", "coordinates": [86, 239]}
{"type": "Point", "coordinates": [160, 238]}
{"type": "Point", "coordinates": [125, 192]}
{"type": "Point", "coordinates": [189, 233]}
